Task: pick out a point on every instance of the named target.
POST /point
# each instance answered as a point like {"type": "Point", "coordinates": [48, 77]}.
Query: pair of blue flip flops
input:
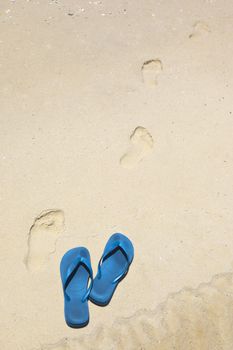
{"type": "Point", "coordinates": [76, 273]}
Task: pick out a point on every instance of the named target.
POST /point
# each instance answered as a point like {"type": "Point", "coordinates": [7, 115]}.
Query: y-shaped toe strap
{"type": "Point", "coordinates": [109, 251]}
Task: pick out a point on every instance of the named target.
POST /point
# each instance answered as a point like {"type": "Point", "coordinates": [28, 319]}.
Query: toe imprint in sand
{"type": "Point", "coordinates": [150, 71]}
{"type": "Point", "coordinates": [142, 144]}
{"type": "Point", "coordinates": [42, 238]}
{"type": "Point", "coordinates": [199, 29]}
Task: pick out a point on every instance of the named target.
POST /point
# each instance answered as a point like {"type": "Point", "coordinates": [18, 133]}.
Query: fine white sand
{"type": "Point", "coordinates": [117, 116]}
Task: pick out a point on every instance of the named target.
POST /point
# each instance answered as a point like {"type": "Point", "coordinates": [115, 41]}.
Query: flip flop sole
{"type": "Point", "coordinates": [75, 269]}
{"type": "Point", "coordinates": [95, 300]}
{"type": "Point", "coordinates": [76, 326]}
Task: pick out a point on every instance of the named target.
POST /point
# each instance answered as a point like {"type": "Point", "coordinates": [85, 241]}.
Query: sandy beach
{"type": "Point", "coordinates": [117, 116]}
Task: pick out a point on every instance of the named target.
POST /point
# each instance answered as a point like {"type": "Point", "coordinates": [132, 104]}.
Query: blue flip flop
{"type": "Point", "coordinates": [113, 267]}
{"type": "Point", "coordinates": [75, 269]}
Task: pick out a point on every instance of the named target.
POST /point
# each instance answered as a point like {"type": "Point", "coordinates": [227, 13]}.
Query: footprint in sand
{"type": "Point", "coordinates": [150, 71]}
{"type": "Point", "coordinates": [142, 144]}
{"type": "Point", "coordinates": [199, 29]}
{"type": "Point", "coordinates": [42, 238]}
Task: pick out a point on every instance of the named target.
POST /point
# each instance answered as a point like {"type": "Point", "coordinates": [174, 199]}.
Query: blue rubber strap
{"type": "Point", "coordinates": [72, 269]}
{"type": "Point", "coordinates": [108, 251]}
{"type": "Point", "coordinates": [120, 276]}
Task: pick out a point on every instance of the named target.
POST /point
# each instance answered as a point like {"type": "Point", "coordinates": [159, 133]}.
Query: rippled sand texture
{"type": "Point", "coordinates": [189, 319]}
